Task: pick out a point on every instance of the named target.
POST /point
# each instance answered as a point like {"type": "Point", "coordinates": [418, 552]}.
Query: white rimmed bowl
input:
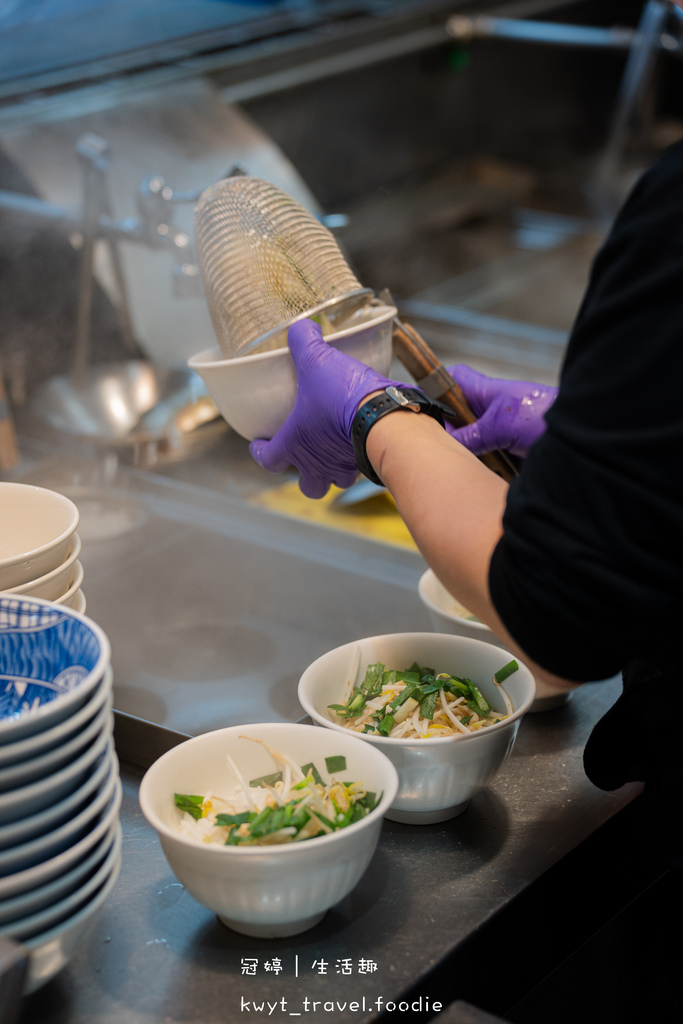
{"type": "Point", "coordinates": [40, 742]}
{"type": "Point", "coordinates": [36, 526]}
{"type": "Point", "coordinates": [48, 917]}
{"type": "Point", "coordinates": [437, 776]}
{"type": "Point", "coordinates": [56, 814]}
{"type": "Point", "coordinates": [51, 951]}
{"type": "Point", "coordinates": [449, 616]}
{"type": "Point", "coordinates": [40, 874]}
{"type": "Point", "coordinates": [43, 847]}
{"type": "Point", "coordinates": [76, 601]}
{"type": "Point", "coordinates": [47, 895]}
{"type": "Point", "coordinates": [34, 768]}
{"type": "Point", "coordinates": [74, 588]}
{"type": "Point", "coordinates": [55, 583]}
{"type": "Point", "coordinates": [256, 393]}
{"type": "Point", "coordinates": [51, 659]}
{"type": "Point", "coordinates": [27, 800]}
{"type": "Point", "coordinates": [266, 891]}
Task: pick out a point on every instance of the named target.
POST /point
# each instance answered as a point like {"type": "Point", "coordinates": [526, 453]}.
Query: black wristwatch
{"type": "Point", "coordinates": [391, 399]}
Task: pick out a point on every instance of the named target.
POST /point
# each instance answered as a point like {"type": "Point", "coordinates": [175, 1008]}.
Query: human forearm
{"type": "Point", "coordinates": [453, 506]}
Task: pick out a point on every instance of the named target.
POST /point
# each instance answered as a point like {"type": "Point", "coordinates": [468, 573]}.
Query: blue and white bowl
{"type": "Point", "coordinates": [25, 801]}
{"type": "Point", "coordinates": [51, 659]}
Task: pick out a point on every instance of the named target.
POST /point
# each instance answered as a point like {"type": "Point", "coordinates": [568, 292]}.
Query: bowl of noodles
{"type": "Point", "coordinates": [444, 709]}
{"type": "Point", "coordinates": [269, 825]}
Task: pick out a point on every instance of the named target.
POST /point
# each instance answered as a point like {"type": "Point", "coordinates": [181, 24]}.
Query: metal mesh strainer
{"type": "Point", "coordinates": [266, 261]}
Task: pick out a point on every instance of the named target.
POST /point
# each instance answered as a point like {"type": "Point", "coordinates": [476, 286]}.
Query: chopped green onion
{"type": "Point", "coordinates": [428, 705]}
{"type": "Point", "coordinates": [336, 763]}
{"type": "Point", "coordinates": [341, 710]}
{"type": "Point", "coordinates": [505, 671]}
{"type": "Point", "coordinates": [372, 684]}
{"type": "Point", "coordinates": [457, 687]}
{"type": "Point", "coordinates": [357, 702]}
{"type": "Point", "coordinates": [256, 826]}
{"type": "Point", "coordinates": [386, 725]}
{"type": "Point", "coordinates": [482, 706]}
{"type": "Point", "coordinates": [234, 819]}
{"type": "Point", "coordinates": [191, 804]}
{"type": "Point", "coordinates": [310, 769]}
{"type": "Point", "coordinates": [266, 780]}
{"type": "Point", "coordinates": [402, 697]}
{"type": "Point", "coordinates": [408, 677]}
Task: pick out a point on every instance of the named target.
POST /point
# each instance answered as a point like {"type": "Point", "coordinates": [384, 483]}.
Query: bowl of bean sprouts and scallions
{"type": "Point", "coordinates": [269, 825]}
{"type": "Point", "coordinates": [445, 709]}
{"type": "Point", "coordinates": [421, 704]}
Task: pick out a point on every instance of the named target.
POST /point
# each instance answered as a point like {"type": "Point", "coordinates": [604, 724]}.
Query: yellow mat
{"type": "Point", "coordinates": [376, 517]}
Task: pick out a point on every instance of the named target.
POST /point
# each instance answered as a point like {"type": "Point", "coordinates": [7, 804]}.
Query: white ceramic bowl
{"type": "Point", "coordinates": [40, 874]}
{"type": "Point", "coordinates": [77, 602]}
{"type": "Point", "coordinates": [266, 891]}
{"type": "Point", "coordinates": [55, 583]}
{"type": "Point", "coordinates": [449, 616]}
{"type": "Point", "coordinates": [51, 951]}
{"type": "Point", "coordinates": [36, 526]}
{"type": "Point", "coordinates": [69, 597]}
{"type": "Point", "coordinates": [48, 917]}
{"type": "Point", "coordinates": [438, 776]}
{"type": "Point", "coordinates": [43, 847]}
{"type": "Point", "coordinates": [256, 393]}
{"type": "Point", "coordinates": [56, 814]}
{"type": "Point", "coordinates": [40, 742]}
{"type": "Point", "coordinates": [21, 803]}
{"type": "Point", "coordinates": [22, 773]}
{"type": "Point", "coordinates": [47, 895]}
{"type": "Point", "coordinates": [51, 659]}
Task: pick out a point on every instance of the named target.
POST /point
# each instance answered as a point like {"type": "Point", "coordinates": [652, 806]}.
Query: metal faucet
{"type": "Point", "coordinates": [94, 221]}
{"type": "Point", "coordinates": [659, 28]}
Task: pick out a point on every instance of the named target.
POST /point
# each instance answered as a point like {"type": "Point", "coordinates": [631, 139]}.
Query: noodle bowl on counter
{"type": "Point", "coordinates": [448, 730]}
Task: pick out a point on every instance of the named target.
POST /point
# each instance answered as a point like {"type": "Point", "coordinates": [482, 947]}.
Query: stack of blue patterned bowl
{"type": "Point", "coordinates": [60, 792]}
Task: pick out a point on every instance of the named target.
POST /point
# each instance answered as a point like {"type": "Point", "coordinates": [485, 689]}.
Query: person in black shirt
{"type": "Point", "coordinates": [578, 564]}
{"type": "Point", "coordinates": [590, 541]}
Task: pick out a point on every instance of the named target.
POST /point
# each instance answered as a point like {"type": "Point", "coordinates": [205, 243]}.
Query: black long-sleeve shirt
{"type": "Point", "coordinates": [588, 576]}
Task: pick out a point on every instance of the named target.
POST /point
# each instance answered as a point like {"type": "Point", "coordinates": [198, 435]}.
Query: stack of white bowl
{"type": "Point", "coordinates": [60, 792]}
{"type": "Point", "coordinates": [39, 545]}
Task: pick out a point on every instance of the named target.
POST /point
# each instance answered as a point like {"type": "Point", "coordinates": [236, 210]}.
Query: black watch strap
{"type": "Point", "coordinates": [390, 400]}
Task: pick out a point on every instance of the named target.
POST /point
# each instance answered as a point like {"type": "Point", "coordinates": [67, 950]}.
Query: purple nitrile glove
{"type": "Point", "coordinates": [316, 436]}
{"type": "Point", "coordinates": [510, 413]}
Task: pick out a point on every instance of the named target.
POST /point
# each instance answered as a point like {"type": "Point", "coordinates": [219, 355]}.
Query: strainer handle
{"type": "Point", "coordinates": [434, 379]}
